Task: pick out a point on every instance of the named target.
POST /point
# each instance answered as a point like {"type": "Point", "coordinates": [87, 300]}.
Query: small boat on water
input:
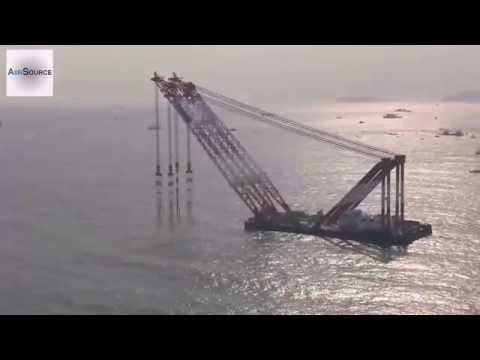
{"type": "Point", "coordinates": [474, 171]}
{"type": "Point", "coordinates": [450, 132]}
{"type": "Point", "coordinates": [478, 152]}
{"type": "Point", "coordinates": [153, 127]}
{"type": "Point", "coordinates": [391, 116]}
{"type": "Point", "coordinates": [233, 129]}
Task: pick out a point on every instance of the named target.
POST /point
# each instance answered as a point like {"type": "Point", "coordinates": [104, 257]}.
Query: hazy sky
{"type": "Point", "coordinates": [90, 75]}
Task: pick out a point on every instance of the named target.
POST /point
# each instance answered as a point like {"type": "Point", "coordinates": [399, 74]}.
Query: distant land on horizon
{"type": "Point", "coordinates": [351, 99]}
{"type": "Point", "coordinates": [464, 96]}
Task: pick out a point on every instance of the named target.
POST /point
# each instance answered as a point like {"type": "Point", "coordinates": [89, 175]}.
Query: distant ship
{"type": "Point", "coordinates": [475, 171]}
{"type": "Point", "coordinates": [391, 116]}
{"type": "Point", "coordinates": [153, 127]}
{"type": "Point", "coordinates": [450, 132]}
{"type": "Point", "coordinates": [403, 110]}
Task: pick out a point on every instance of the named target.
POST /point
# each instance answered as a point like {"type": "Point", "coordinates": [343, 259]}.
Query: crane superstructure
{"type": "Point", "coordinates": [252, 184]}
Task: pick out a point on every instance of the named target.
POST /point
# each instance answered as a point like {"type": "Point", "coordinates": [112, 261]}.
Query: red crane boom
{"type": "Point", "coordinates": [242, 173]}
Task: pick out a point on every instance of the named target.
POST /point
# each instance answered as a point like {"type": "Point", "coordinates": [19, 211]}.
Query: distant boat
{"type": "Point", "coordinates": [478, 152]}
{"type": "Point", "coordinates": [403, 110]}
{"type": "Point", "coordinates": [391, 116]}
{"type": "Point", "coordinates": [233, 129]}
{"type": "Point", "coordinates": [153, 127]}
{"type": "Point", "coordinates": [361, 122]}
{"type": "Point", "coordinates": [339, 117]}
{"type": "Point", "coordinates": [450, 132]}
{"type": "Point", "coordinates": [474, 171]}
{"type": "Point", "coordinates": [267, 114]}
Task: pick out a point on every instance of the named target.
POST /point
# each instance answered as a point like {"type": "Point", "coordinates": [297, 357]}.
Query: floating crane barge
{"type": "Point", "coordinates": [404, 235]}
{"type": "Point", "coordinates": [256, 190]}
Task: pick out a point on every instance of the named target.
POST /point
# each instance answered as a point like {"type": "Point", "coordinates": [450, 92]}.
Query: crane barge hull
{"type": "Point", "coordinates": [257, 191]}
{"type": "Point", "coordinates": [402, 235]}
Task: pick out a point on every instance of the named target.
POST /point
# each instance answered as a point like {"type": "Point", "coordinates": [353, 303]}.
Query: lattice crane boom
{"type": "Point", "coordinates": [237, 166]}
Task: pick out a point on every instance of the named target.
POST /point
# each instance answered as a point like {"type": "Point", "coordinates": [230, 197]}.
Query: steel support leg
{"type": "Point", "coordinates": [397, 194]}
{"type": "Point", "coordinates": [402, 189]}
{"type": "Point", "coordinates": [383, 203]}
{"type": "Point", "coordinates": [170, 167]}
{"type": "Point", "coordinates": [389, 219]}
{"type": "Point", "coordinates": [189, 175]}
{"type": "Point", "coordinates": [177, 167]}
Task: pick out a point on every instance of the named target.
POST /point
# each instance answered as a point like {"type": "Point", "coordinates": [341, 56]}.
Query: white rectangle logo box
{"type": "Point", "coordinates": [29, 72]}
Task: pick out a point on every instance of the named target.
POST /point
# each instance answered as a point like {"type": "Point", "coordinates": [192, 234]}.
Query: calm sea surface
{"type": "Point", "coordinates": [80, 230]}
